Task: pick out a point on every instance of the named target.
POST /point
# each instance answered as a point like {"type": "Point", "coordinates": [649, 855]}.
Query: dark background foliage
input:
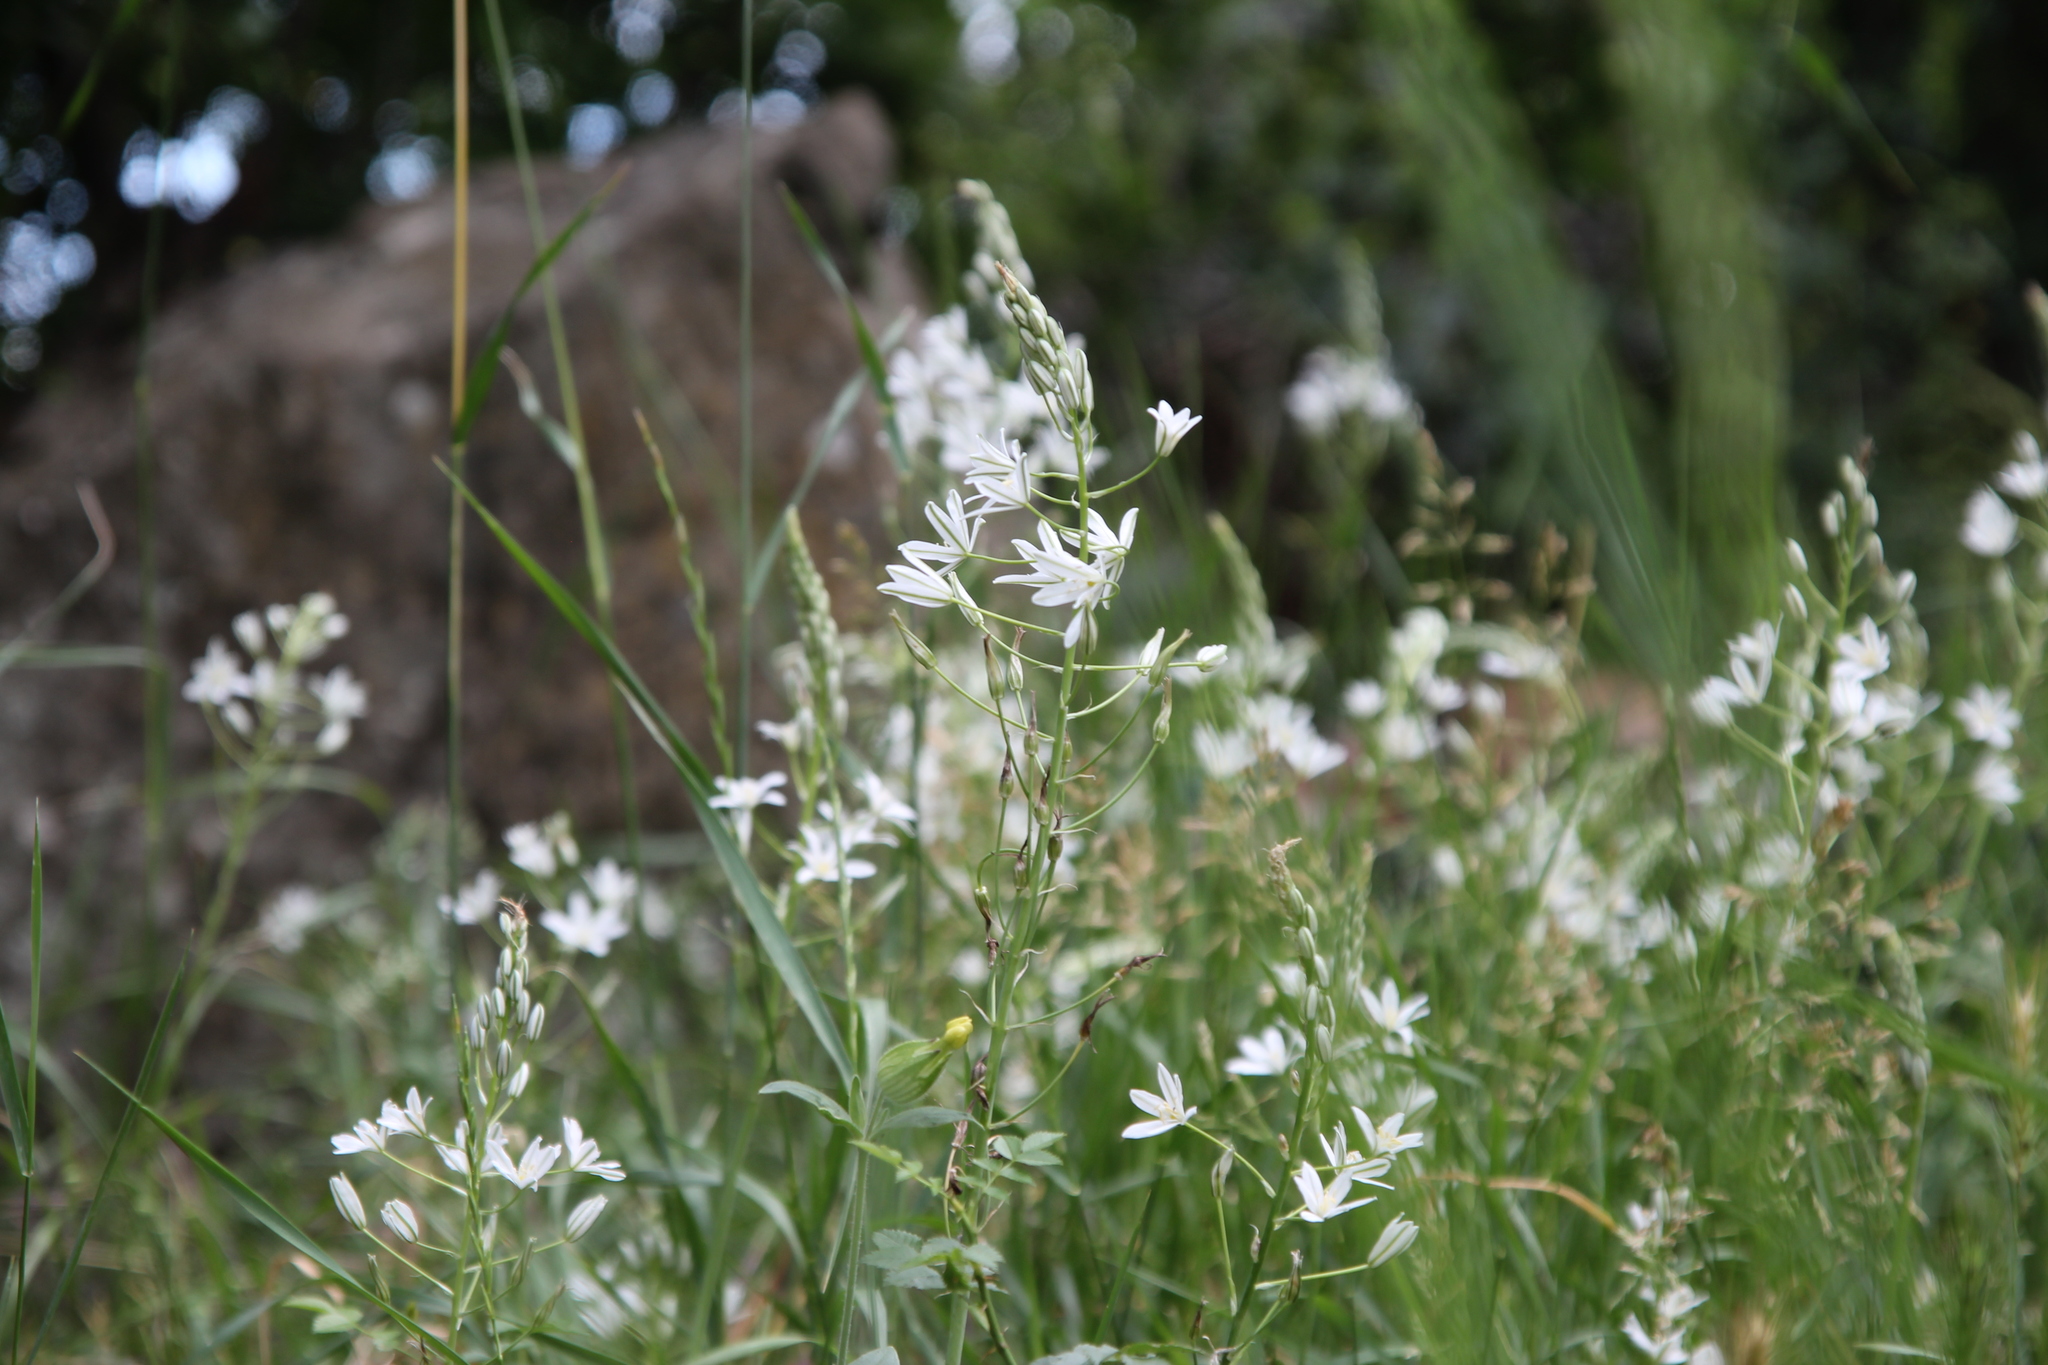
{"type": "Point", "coordinates": [1186, 176]}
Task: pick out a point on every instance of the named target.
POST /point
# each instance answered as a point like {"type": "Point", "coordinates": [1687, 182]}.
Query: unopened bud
{"type": "Point", "coordinates": [1023, 870]}
{"type": "Point", "coordinates": [1162, 725]}
{"type": "Point", "coordinates": [1054, 846]}
{"type": "Point", "coordinates": [992, 667]}
{"type": "Point", "coordinates": [1305, 941]}
{"type": "Point", "coordinates": [583, 1217]}
{"type": "Point", "coordinates": [1795, 602]}
{"type": "Point", "coordinates": [1219, 1174]}
{"type": "Point", "coordinates": [1311, 1003]}
{"type": "Point", "coordinates": [1831, 515]}
{"type": "Point", "coordinates": [1324, 1046]}
{"type": "Point", "coordinates": [919, 650]}
{"type": "Point", "coordinates": [1905, 584]}
{"type": "Point", "coordinates": [503, 1064]}
{"type": "Point", "coordinates": [348, 1201]}
{"type": "Point", "coordinates": [399, 1217]}
{"type": "Point", "coordinates": [517, 1085]}
{"type": "Point", "coordinates": [1294, 1275]}
{"type": "Point", "coordinates": [535, 1022]}
{"type": "Point", "coordinates": [1796, 555]}
{"type": "Point", "coordinates": [1007, 783]}
{"type": "Point", "coordinates": [984, 904]}
{"type": "Point", "coordinates": [1322, 966]}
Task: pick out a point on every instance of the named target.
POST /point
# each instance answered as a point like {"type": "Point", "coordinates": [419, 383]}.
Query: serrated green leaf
{"type": "Point", "coordinates": [915, 1277]}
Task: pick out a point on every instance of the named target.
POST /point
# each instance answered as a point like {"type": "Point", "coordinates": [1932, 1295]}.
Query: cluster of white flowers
{"type": "Point", "coordinates": [1336, 382]}
{"type": "Point", "coordinates": [504, 1024]}
{"type": "Point", "coordinates": [543, 847]}
{"type": "Point", "coordinates": [1658, 1266]}
{"type": "Point", "coordinates": [269, 702]}
{"type": "Point", "coordinates": [291, 915]}
{"type": "Point", "coordinates": [947, 394]}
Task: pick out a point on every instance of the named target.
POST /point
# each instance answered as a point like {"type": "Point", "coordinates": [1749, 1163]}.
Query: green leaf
{"type": "Point", "coordinates": [924, 1116]}
{"type": "Point", "coordinates": [478, 386]}
{"type": "Point", "coordinates": [915, 1277]}
{"type": "Point", "coordinates": [881, 1355]}
{"type": "Point", "coordinates": [741, 1350]}
{"type": "Point", "coordinates": [266, 1213]}
{"type": "Point", "coordinates": [870, 354]}
{"type": "Point", "coordinates": [19, 1103]}
{"type": "Point", "coordinates": [739, 874]}
{"type": "Point", "coordinates": [815, 1098]}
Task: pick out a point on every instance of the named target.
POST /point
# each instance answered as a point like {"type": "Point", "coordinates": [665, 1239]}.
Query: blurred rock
{"type": "Point", "coordinates": [299, 406]}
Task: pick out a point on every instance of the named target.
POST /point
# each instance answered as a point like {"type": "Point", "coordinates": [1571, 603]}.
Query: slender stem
{"type": "Point", "coordinates": [458, 365]}
{"type": "Point", "coordinates": [744, 706]}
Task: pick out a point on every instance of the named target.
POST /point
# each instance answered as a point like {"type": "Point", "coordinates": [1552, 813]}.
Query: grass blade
{"type": "Point", "coordinates": [484, 368]}
{"type": "Point", "coordinates": [269, 1215]}
{"type": "Point", "coordinates": [747, 889]}
{"type": "Point", "coordinates": [99, 1189]}
{"type": "Point", "coordinates": [870, 353]}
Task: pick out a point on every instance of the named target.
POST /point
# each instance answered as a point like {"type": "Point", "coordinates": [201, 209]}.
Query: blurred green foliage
{"type": "Point", "coordinates": [1647, 264]}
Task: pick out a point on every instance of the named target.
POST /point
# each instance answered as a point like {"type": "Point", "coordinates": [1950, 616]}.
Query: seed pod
{"type": "Point", "coordinates": [990, 666]}
{"type": "Point", "coordinates": [919, 650]}
{"type": "Point", "coordinates": [1162, 726]}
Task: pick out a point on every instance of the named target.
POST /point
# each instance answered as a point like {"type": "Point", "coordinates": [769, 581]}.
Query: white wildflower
{"type": "Point", "coordinates": [217, 676]}
{"type": "Point", "coordinates": [1394, 1015]}
{"type": "Point", "coordinates": [611, 885]}
{"type": "Point", "coordinates": [1063, 579]}
{"type": "Point", "coordinates": [291, 914]}
{"type": "Point", "coordinates": [741, 795]}
{"type": "Point", "coordinates": [1169, 1109]}
{"type": "Point", "coordinates": [1990, 528]}
{"type": "Point", "coordinates": [474, 903]}
{"type": "Point", "coordinates": [1105, 547]}
{"type": "Point", "coordinates": [1996, 783]}
{"type": "Point", "coordinates": [1439, 694]}
{"type": "Point", "coordinates": [1666, 1348]}
{"type": "Point", "coordinates": [364, 1137]}
{"type": "Point", "coordinates": [342, 701]}
{"type": "Point", "coordinates": [411, 1119]}
{"type": "Point", "coordinates": [1209, 658]}
{"type": "Point", "coordinates": [956, 530]}
{"type": "Point", "coordinates": [919, 584]}
{"type": "Point", "coordinates": [584, 1158]}
{"type": "Point", "coordinates": [1866, 652]}
{"type": "Point", "coordinates": [1168, 427]}
{"type": "Point", "coordinates": [1386, 1139]}
{"type": "Point", "coordinates": [1404, 738]}
{"type": "Point", "coordinates": [1364, 699]}
{"type": "Point", "coordinates": [585, 928]}
{"type": "Point", "coordinates": [1320, 1203]}
{"type": "Point", "coordinates": [884, 804]}
{"type": "Point", "coordinates": [542, 848]}
{"type": "Point", "coordinates": [1261, 1054]}
{"type": "Point", "coordinates": [1988, 716]}
{"type": "Point", "coordinates": [525, 1173]}
{"type": "Point", "coordinates": [821, 857]}
{"type": "Point", "coordinates": [1418, 642]}
{"type": "Point", "coordinates": [1000, 477]}
{"type": "Point", "coordinates": [1223, 753]}
{"type": "Point", "coordinates": [2026, 476]}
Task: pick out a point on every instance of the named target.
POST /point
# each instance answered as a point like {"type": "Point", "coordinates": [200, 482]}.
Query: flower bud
{"type": "Point", "coordinates": [1904, 585]}
{"type": "Point", "coordinates": [1305, 941]}
{"type": "Point", "coordinates": [1219, 1174]}
{"type": "Point", "coordinates": [1831, 515]}
{"type": "Point", "coordinates": [583, 1217]}
{"type": "Point", "coordinates": [919, 650]}
{"type": "Point", "coordinates": [517, 1086]}
{"type": "Point", "coordinates": [1023, 870]}
{"type": "Point", "coordinates": [1007, 783]}
{"type": "Point", "coordinates": [1796, 555]}
{"type": "Point", "coordinates": [504, 1060]}
{"type": "Point", "coordinates": [1054, 846]}
{"type": "Point", "coordinates": [1795, 602]}
{"type": "Point", "coordinates": [535, 1022]}
{"type": "Point", "coordinates": [983, 903]}
{"type": "Point", "coordinates": [991, 666]}
{"type": "Point", "coordinates": [1209, 658]}
{"type": "Point", "coordinates": [1397, 1238]}
{"type": "Point", "coordinates": [348, 1201]}
{"type": "Point", "coordinates": [1324, 1045]}
{"type": "Point", "coordinates": [399, 1217]}
{"type": "Point", "coordinates": [1322, 966]}
{"type": "Point", "coordinates": [1311, 1003]}
{"type": "Point", "coordinates": [908, 1070]}
{"type": "Point", "coordinates": [1162, 725]}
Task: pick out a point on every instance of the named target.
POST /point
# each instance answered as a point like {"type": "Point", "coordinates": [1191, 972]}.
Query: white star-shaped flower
{"type": "Point", "coordinates": [741, 795]}
{"type": "Point", "coordinates": [411, 1119]}
{"type": "Point", "coordinates": [526, 1173]}
{"type": "Point", "coordinates": [1990, 528]}
{"type": "Point", "coordinates": [584, 1157]}
{"type": "Point", "coordinates": [364, 1137]}
{"type": "Point", "coordinates": [1394, 1015]}
{"type": "Point", "coordinates": [957, 532]}
{"type": "Point", "coordinates": [1866, 652]}
{"type": "Point", "coordinates": [1168, 427]}
{"type": "Point", "coordinates": [1064, 580]}
{"type": "Point", "coordinates": [1320, 1203]}
{"type": "Point", "coordinates": [1169, 1108]}
{"type": "Point", "coordinates": [1386, 1139]}
{"type": "Point", "coordinates": [217, 676]}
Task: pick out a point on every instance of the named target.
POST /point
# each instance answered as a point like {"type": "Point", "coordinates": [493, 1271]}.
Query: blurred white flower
{"type": "Point", "coordinates": [1285, 728]}
{"type": "Point", "coordinates": [364, 1137]}
{"type": "Point", "coordinates": [1169, 1109]}
{"type": "Point", "coordinates": [919, 584]}
{"type": "Point", "coordinates": [1395, 1016]}
{"type": "Point", "coordinates": [1335, 382]}
{"type": "Point", "coordinates": [2026, 476]}
{"type": "Point", "coordinates": [1364, 699]}
{"type": "Point", "coordinates": [1996, 783]}
{"type": "Point", "coordinates": [611, 886]}
{"type": "Point", "coordinates": [1417, 643]}
{"type": "Point", "coordinates": [822, 858]}
{"type": "Point", "coordinates": [291, 913]}
{"type": "Point", "coordinates": [584, 928]}
{"type": "Point", "coordinates": [1990, 528]}
{"type": "Point", "coordinates": [1866, 652]}
{"type": "Point", "coordinates": [474, 903]}
{"type": "Point", "coordinates": [217, 676]}
{"type": "Point", "coordinates": [741, 795]}
{"type": "Point", "coordinates": [1223, 753]}
{"type": "Point", "coordinates": [342, 701]}
{"type": "Point", "coordinates": [1987, 715]}
{"type": "Point", "coordinates": [1666, 1348]}
{"type": "Point", "coordinates": [543, 848]}
{"type": "Point", "coordinates": [1261, 1054]}
{"type": "Point", "coordinates": [1209, 658]}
